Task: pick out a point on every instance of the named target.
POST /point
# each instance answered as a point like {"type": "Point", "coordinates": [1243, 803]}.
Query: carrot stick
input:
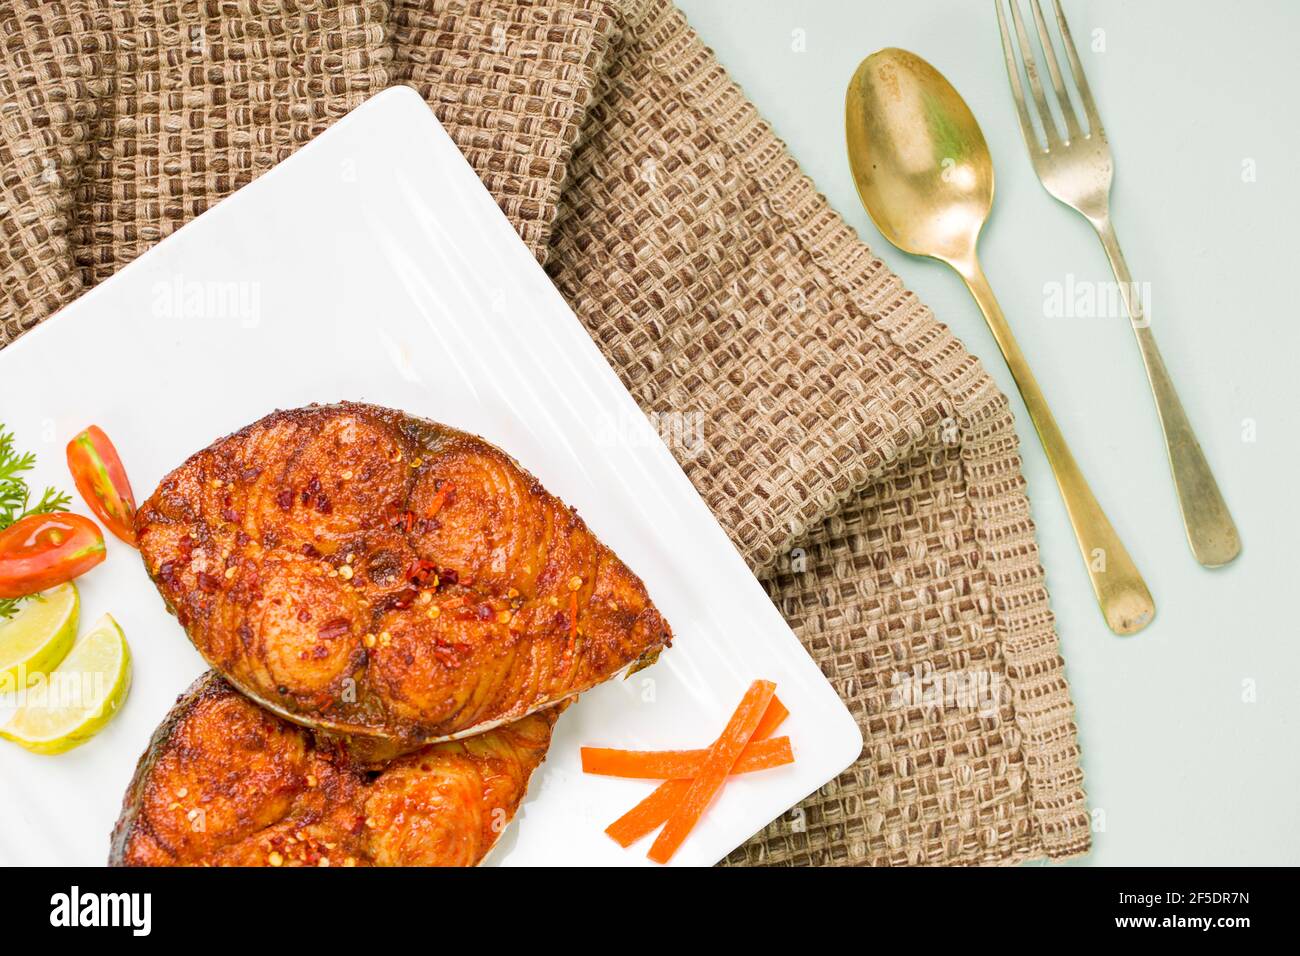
{"type": "Point", "coordinates": [649, 814]}
{"type": "Point", "coordinates": [773, 717]}
{"type": "Point", "coordinates": [717, 767]}
{"type": "Point", "coordinates": [654, 810]}
{"type": "Point", "coordinates": [681, 764]}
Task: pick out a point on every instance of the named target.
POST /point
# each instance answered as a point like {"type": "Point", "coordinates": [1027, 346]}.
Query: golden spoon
{"type": "Point", "coordinates": [924, 173]}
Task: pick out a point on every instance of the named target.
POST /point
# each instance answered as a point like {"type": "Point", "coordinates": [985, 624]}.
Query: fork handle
{"type": "Point", "coordinates": [1122, 594]}
{"type": "Point", "coordinates": [1210, 529]}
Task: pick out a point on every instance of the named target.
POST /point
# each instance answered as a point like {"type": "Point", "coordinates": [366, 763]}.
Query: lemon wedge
{"type": "Point", "coordinates": [34, 640]}
{"type": "Point", "coordinates": [72, 703]}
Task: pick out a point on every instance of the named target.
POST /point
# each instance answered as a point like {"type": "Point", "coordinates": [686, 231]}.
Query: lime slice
{"type": "Point", "coordinates": [75, 700]}
{"type": "Point", "coordinates": [34, 640]}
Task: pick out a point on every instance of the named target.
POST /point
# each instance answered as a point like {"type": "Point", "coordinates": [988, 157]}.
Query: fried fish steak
{"type": "Point", "coordinates": [375, 575]}
{"type": "Point", "coordinates": [226, 783]}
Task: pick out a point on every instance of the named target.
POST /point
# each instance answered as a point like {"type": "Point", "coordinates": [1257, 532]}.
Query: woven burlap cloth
{"type": "Point", "coordinates": [861, 460]}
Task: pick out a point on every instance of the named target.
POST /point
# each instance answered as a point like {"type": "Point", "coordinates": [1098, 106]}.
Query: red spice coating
{"type": "Point", "coordinates": [225, 783]}
{"type": "Point", "coordinates": [389, 578]}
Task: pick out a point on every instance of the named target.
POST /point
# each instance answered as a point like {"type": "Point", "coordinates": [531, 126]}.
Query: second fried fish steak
{"type": "Point", "coordinates": [387, 578]}
{"type": "Point", "coordinates": [225, 783]}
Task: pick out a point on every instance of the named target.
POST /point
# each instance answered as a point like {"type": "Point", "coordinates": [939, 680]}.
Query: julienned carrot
{"type": "Point", "coordinates": [681, 764]}
{"type": "Point", "coordinates": [773, 717]}
{"type": "Point", "coordinates": [655, 809]}
{"type": "Point", "coordinates": [649, 814]}
{"type": "Point", "coordinates": [717, 767]}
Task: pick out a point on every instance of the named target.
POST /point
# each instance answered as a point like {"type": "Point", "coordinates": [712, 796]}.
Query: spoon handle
{"type": "Point", "coordinates": [1210, 529]}
{"type": "Point", "coordinates": [1122, 594]}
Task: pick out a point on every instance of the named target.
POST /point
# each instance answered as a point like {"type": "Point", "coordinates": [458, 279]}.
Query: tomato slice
{"type": "Point", "coordinates": [41, 551]}
{"type": "Point", "coordinates": [101, 479]}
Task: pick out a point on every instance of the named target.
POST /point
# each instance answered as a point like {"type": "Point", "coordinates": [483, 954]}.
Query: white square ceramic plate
{"type": "Point", "coordinates": [373, 265]}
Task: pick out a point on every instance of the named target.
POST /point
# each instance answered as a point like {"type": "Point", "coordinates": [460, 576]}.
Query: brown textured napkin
{"type": "Point", "coordinates": [860, 458]}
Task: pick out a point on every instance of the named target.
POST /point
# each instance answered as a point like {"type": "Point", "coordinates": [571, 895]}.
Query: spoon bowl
{"type": "Point", "coordinates": [919, 160]}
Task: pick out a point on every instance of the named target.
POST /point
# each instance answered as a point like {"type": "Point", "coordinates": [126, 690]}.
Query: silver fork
{"type": "Point", "coordinates": [1076, 168]}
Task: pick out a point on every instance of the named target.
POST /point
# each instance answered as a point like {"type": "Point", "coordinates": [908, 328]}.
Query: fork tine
{"type": "Point", "coordinates": [1076, 68]}
{"type": "Point", "coordinates": [1017, 91]}
{"type": "Point", "coordinates": [1054, 71]}
{"type": "Point", "coordinates": [1031, 71]}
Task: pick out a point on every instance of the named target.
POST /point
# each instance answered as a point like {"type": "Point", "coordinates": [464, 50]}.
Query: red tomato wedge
{"type": "Point", "coordinates": [41, 551]}
{"type": "Point", "coordinates": [102, 481]}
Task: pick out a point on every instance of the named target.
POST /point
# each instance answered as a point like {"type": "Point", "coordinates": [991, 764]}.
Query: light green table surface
{"type": "Point", "coordinates": [1190, 730]}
